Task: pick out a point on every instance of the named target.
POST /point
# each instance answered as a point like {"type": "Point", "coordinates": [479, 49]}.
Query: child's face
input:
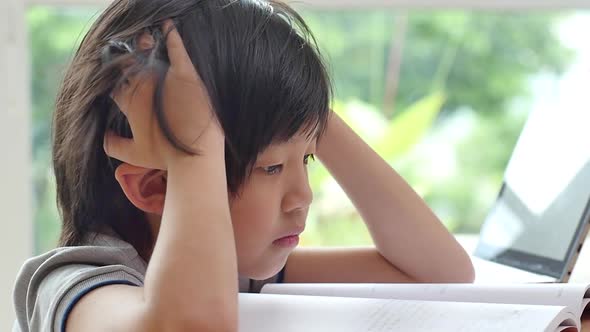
{"type": "Point", "coordinates": [273, 203]}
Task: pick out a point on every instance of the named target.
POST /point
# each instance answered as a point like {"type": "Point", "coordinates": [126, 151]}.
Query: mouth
{"type": "Point", "coordinates": [290, 240]}
{"type": "Point", "coordinates": [287, 241]}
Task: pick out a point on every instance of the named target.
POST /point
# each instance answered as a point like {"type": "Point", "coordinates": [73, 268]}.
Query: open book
{"type": "Point", "coordinates": [414, 307]}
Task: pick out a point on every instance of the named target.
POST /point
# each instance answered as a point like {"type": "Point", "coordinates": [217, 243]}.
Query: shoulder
{"type": "Point", "coordinates": [48, 285]}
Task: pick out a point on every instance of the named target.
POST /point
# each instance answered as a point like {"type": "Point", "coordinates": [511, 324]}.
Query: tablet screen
{"type": "Point", "coordinates": [544, 199]}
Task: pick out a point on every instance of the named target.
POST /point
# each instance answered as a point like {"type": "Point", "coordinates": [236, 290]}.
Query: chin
{"type": "Point", "coordinates": [262, 270]}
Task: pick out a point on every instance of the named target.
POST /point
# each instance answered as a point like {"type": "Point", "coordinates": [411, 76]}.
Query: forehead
{"type": "Point", "coordinates": [296, 142]}
{"type": "Point", "coordinates": [301, 139]}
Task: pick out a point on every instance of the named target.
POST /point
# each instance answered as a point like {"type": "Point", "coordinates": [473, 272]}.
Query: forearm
{"type": "Point", "coordinates": [404, 229]}
{"type": "Point", "coordinates": [192, 275]}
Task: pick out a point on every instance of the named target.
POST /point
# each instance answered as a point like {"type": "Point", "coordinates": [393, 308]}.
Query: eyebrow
{"type": "Point", "coordinates": [300, 138]}
{"type": "Point", "coordinates": [280, 145]}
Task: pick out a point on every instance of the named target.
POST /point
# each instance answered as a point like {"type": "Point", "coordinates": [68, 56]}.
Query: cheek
{"type": "Point", "coordinates": [255, 218]}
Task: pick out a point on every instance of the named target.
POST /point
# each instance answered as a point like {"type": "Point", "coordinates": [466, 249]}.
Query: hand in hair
{"type": "Point", "coordinates": [186, 108]}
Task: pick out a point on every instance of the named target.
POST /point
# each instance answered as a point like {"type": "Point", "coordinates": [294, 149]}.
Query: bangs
{"type": "Point", "coordinates": [305, 91]}
{"type": "Point", "coordinates": [285, 86]}
{"type": "Point", "coordinates": [302, 103]}
{"type": "Point", "coordinates": [264, 73]}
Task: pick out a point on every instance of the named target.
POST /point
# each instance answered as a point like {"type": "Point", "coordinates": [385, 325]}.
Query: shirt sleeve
{"type": "Point", "coordinates": [61, 289]}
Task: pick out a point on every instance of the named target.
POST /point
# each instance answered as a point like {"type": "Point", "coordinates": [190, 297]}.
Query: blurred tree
{"type": "Point", "coordinates": [54, 32]}
{"type": "Point", "coordinates": [479, 61]}
{"type": "Point", "coordinates": [482, 59]}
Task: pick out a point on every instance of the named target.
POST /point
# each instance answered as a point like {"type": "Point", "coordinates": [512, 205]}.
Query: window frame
{"type": "Point", "coordinates": [16, 196]}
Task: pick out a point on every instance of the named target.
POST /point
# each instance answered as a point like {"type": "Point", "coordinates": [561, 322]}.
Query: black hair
{"type": "Point", "coordinates": [258, 60]}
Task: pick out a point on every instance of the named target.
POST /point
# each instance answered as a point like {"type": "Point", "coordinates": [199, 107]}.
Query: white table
{"type": "Point", "coordinates": [581, 272]}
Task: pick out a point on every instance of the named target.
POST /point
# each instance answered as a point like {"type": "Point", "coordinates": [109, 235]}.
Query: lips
{"type": "Point", "coordinates": [293, 232]}
{"type": "Point", "coordinates": [287, 241]}
{"type": "Point", "coordinates": [290, 239]}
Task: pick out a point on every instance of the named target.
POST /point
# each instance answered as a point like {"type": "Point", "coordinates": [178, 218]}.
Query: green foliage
{"type": "Point", "coordinates": [335, 219]}
{"type": "Point", "coordinates": [54, 34]}
{"type": "Point", "coordinates": [391, 139]}
{"type": "Point", "coordinates": [483, 59]}
{"type": "Point", "coordinates": [407, 129]}
{"type": "Point", "coordinates": [450, 139]}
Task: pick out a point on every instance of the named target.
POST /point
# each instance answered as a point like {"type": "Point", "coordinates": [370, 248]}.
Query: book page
{"type": "Point", "coordinates": [567, 295]}
{"type": "Point", "coordinates": [285, 313]}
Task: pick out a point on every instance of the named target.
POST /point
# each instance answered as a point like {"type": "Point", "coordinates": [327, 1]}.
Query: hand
{"type": "Point", "coordinates": [333, 122]}
{"type": "Point", "coordinates": [187, 109]}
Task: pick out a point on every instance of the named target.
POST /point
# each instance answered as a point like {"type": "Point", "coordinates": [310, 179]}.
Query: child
{"type": "Point", "coordinates": [209, 122]}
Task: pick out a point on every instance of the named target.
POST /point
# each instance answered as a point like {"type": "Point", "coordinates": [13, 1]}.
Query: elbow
{"type": "Point", "coordinates": [462, 270]}
{"type": "Point", "coordinates": [468, 274]}
{"type": "Point", "coordinates": [465, 271]}
{"type": "Point", "coordinates": [202, 324]}
{"type": "Point", "coordinates": [211, 324]}
{"type": "Point", "coordinates": [458, 271]}
{"type": "Point", "coordinates": [196, 320]}
{"type": "Point", "coordinates": [454, 275]}
{"type": "Point", "coordinates": [469, 270]}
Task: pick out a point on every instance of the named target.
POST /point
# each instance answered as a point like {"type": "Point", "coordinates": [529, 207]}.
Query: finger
{"type": "Point", "coordinates": [123, 94]}
{"type": "Point", "coordinates": [120, 148]}
{"type": "Point", "coordinates": [176, 50]}
{"type": "Point", "coordinates": [145, 41]}
{"type": "Point", "coordinates": [134, 99]}
{"type": "Point", "coordinates": [120, 97]}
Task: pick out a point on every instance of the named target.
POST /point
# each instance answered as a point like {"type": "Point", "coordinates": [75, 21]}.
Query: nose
{"type": "Point", "coordinates": [299, 195]}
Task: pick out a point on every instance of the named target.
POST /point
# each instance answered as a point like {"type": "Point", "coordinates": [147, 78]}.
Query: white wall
{"type": "Point", "coordinates": [463, 4]}
{"type": "Point", "coordinates": [15, 159]}
{"type": "Point", "coordinates": [437, 4]}
{"type": "Point", "coordinates": [16, 237]}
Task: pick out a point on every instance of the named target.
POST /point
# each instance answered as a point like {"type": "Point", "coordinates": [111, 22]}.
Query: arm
{"type": "Point", "coordinates": [192, 274]}
{"type": "Point", "coordinates": [412, 241]}
{"type": "Point", "coordinates": [186, 288]}
{"type": "Point", "coordinates": [191, 279]}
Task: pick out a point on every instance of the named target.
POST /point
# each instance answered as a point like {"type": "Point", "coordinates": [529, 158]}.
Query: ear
{"type": "Point", "coordinates": [145, 188]}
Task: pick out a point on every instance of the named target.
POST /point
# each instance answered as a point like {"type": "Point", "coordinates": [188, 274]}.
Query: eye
{"type": "Point", "coordinates": [271, 170]}
{"type": "Point", "coordinates": [307, 157]}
